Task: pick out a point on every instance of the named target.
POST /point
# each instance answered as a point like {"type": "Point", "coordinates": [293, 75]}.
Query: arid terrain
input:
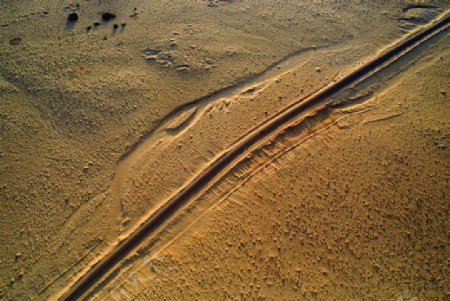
{"type": "Point", "coordinates": [224, 150]}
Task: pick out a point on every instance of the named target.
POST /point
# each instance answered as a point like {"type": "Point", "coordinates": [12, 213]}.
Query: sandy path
{"type": "Point", "coordinates": [256, 138]}
{"type": "Point", "coordinates": [357, 211]}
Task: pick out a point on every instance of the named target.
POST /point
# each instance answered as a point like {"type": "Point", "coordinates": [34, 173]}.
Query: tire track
{"type": "Point", "coordinates": [241, 149]}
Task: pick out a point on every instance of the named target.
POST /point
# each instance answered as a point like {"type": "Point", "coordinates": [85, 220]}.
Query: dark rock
{"type": "Point", "coordinates": [108, 16]}
{"type": "Point", "coordinates": [73, 17]}
{"type": "Point", "coordinates": [151, 51]}
{"type": "Point", "coordinates": [15, 41]}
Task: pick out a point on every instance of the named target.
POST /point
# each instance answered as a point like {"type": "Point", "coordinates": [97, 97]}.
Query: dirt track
{"type": "Point", "coordinates": [340, 227]}
{"type": "Point", "coordinates": [242, 148]}
{"type": "Point", "coordinates": [264, 149]}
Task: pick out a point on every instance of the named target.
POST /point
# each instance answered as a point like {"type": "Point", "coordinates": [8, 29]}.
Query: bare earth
{"type": "Point", "coordinates": [100, 127]}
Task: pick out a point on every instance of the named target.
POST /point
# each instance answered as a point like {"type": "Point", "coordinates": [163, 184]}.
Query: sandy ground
{"type": "Point", "coordinates": [99, 126]}
{"type": "Point", "coordinates": [355, 210]}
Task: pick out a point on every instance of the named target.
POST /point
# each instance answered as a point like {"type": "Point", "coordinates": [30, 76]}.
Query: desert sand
{"type": "Point", "coordinates": [110, 110]}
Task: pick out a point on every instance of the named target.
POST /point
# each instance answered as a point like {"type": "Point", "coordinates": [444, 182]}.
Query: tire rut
{"type": "Point", "coordinates": [277, 123]}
